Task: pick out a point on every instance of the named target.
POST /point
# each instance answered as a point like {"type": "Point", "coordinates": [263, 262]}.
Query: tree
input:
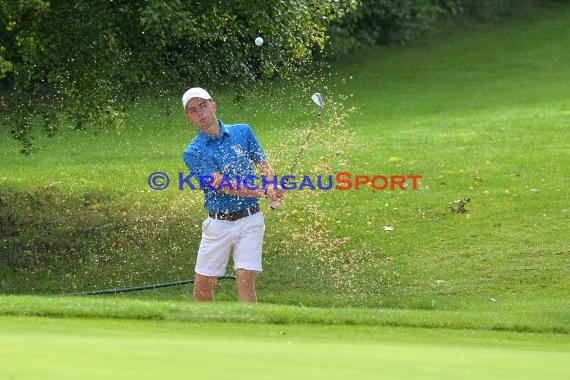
{"type": "Point", "coordinates": [86, 61]}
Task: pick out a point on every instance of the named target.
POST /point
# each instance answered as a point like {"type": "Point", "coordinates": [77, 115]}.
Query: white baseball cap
{"type": "Point", "coordinates": [195, 92]}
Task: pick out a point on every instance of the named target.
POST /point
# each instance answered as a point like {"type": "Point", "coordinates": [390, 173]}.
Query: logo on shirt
{"type": "Point", "coordinates": [237, 149]}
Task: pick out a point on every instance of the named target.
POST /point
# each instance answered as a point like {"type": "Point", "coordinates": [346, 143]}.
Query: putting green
{"type": "Point", "coordinates": [50, 348]}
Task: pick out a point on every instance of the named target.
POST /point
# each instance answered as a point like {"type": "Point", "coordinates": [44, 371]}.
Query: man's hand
{"type": "Point", "coordinates": [275, 194]}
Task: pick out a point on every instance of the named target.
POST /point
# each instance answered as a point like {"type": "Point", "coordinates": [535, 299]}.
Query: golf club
{"type": "Point", "coordinates": [318, 99]}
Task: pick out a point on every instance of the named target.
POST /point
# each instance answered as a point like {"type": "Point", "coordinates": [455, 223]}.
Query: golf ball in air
{"type": "Point", "coordinates": [259, 41]}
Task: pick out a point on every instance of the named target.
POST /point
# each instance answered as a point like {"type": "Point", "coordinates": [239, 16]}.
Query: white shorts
{"type": "Point", "coordinates": [244, 236]}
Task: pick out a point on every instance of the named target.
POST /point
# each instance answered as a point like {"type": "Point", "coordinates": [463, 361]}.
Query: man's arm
{"type": "Point", "coordinates": [266, 170]}
{"type": "Point", "coordinates": [234, 189]}
{"type": "Point", "coordinates": [273, 193]}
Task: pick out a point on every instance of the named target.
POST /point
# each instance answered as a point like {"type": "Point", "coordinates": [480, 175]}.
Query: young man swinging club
{"type": "Point", "coordinates": [235, 223]}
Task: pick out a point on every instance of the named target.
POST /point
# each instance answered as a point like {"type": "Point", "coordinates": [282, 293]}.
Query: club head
{"type": "Point", "coordinates": [317, 98]}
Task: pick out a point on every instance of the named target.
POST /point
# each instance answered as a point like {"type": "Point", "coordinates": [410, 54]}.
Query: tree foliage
{"type": "Point", "coordinates": [379, 22]}
{"type": "Point", "coordinates": [85, 61]}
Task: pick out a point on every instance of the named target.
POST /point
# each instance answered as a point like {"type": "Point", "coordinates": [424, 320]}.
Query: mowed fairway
{"type": "Point", "coordinates": [50, 348]}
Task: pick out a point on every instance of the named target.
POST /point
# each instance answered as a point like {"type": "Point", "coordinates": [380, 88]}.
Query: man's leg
{"type": "Point", "coordinates": [245, 283]}
{"type": "Point", "coordinates": [247, 254]}
{"type": "Point", "coordinates": [204, 287]}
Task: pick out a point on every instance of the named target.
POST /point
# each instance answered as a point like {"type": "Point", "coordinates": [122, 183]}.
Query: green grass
{"type": "Point", "coordinates": [547, 317]}
{"type": "Point", "coordinates": [150, 349]}
{"type": "Point", "coordinates": [481, 113]}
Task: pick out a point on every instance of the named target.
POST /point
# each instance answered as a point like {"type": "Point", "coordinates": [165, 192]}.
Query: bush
{"type": "Point", "coordinates": [381, 22]}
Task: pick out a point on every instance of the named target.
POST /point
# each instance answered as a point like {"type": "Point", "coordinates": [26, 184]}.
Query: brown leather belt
{"type": "Point", "coordinates": [232, 216]}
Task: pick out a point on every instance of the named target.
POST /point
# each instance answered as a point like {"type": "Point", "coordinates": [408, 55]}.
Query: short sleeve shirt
{"type": "Point", "coordinates": [233, 154]}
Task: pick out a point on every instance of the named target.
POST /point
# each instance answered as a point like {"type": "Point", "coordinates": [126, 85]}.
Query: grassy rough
{"type": "Point", "coordinates": [480, 114]}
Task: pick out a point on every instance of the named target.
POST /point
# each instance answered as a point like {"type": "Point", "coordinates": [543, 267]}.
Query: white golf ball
{"type": "Point", "coordinates": [259, 41]}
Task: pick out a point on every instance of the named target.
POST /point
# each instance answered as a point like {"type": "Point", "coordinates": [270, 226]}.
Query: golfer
{"type": "Point", "coordinates": [226, 154]}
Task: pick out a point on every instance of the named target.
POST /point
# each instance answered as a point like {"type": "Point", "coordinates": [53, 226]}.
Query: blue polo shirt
{"type": "Point", "coordinates": [233, 153]}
